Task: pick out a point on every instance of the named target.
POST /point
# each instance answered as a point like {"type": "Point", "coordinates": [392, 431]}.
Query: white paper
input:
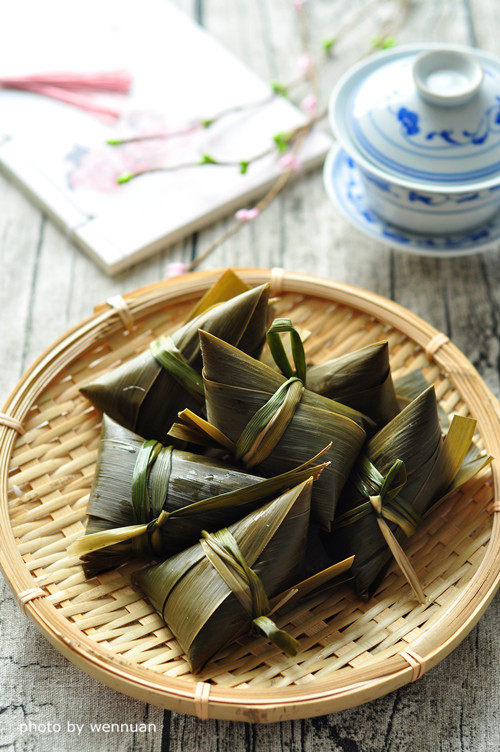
{"type": "Point", "coordinates": [180, 74]}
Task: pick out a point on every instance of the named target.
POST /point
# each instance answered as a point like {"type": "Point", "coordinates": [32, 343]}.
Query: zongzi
{"type": "Point", "coordinates": [275, 423]}
{"type": "Point", "coordinates": [405, 468]}
{"type": "Point", "coordinates": [151, 500]}
{"type": "Point", "coordinates": [145, 393]}
{"type": "Point", "coordinates": [214, 591]}
{"type": "Point", "coordinates": [361, 379]}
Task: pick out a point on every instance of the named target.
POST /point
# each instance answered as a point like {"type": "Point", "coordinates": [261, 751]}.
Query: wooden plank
{"type": "Point", "coordinates": [21, 235]}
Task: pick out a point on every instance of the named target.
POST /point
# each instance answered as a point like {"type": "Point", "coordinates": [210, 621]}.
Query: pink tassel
{"type": "Point", "coordinates": [65, 87]}
{"type": "Point", "coordinates": [116, 81]}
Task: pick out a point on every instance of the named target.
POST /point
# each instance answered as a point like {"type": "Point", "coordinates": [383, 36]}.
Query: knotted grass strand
{"type": "Point", "coordinates": [145, 397]}
{"type": "Point", "coordinates": [199, 607]}
{"type": "Point", "coordinates": [361, 379]}
{"type": "Point", "coordinates": [237, 386]}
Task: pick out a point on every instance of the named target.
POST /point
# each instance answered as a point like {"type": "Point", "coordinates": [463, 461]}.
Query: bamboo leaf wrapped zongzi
{"type": "Point", "coordinates": [145, 393]}
{"type": "Point", "coordinates": [217, 589]}
{"type": "Point", "coordinates": [361, 379]}
{"type": "Point", "coordinates": [274, 423]}
{"type": "Point", "coordinates": [403, 470]}
{"type": "Point", "coordinates": [153, 500]}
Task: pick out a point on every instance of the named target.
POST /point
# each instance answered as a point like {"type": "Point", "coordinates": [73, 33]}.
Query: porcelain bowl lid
{"type": "Point", "coordinates": [424, 115]}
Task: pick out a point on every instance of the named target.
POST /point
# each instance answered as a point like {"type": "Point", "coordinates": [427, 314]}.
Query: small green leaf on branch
{"type": "Point", "coordinates": [207, 159]}
{"type": "Point", "coordinates": [282, 141]}
{"type": "Point", "coordinates": [383, 43]}
{"type": "Point", "coordinates": [328, 44]}
{"type": "Point", "coordinates": [279, 88]}
{"type": "Point", "coordinates": [124, 177]}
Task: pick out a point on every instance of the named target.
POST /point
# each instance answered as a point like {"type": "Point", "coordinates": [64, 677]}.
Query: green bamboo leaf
{"type": "Point", "coordinates": [170, 358]}
{"type": "Point", "coordinates": [287, 644]}
{"type": "Point", "coordinates": [361, 379]}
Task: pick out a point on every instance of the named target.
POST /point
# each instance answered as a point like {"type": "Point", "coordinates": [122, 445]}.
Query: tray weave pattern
{"type": "Point", "coordinates": [50, 474]}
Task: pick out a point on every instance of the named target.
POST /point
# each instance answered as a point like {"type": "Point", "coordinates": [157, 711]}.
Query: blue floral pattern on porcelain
{"type": "Point", "coordinates": [383, 119]}
{"type": "Point", "coordinates": [489, 123]}
{"type": "Point", "coordinates": [356, 197]}
{"type": "Point", "coordinates": [428, 199]}
{"type": "Point", "coordinates": [346, 189]}
{"type": "Point", "coordinates": [409, 121]}
{"type": "Point", "coordinates": [435, 211]}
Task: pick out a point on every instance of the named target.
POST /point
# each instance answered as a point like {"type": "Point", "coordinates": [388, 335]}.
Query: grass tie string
{"type": "Point", "coordinates": [148, 512]}
{"type": "Point", "coordinates": [223, 552]}
{"type": "Point", "coordinates": [280, 326]}
{"type": "Point", "coordinates": [170, 358]}
{"type": "Point", "coordinates": [266, 427]}
{"type": "Point", "coordinates": [387, 505]}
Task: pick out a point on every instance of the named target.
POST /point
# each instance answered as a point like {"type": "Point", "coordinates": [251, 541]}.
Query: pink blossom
{"type": "Point", "coordinates": [176, 268]}
{"type": "Point", "coordinates": [290, 161]}
{"type": "Point", "coordinates": [245, 215]}
{"type": "Point", "coordinates": [305, 63]}
{"type": "Point", "coordinates": [299, 5]}
{"type": "Point", "coordinates": [309, 103]}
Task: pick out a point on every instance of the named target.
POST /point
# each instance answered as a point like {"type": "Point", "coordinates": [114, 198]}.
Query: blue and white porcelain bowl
{"type": "Point", "coordinates": [422, 123]}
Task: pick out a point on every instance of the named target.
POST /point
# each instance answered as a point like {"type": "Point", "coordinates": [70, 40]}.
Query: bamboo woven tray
{"type": "Point", "coordinates": [352, 651]}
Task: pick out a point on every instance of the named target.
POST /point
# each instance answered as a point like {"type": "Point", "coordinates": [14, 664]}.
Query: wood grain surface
{"type": "Point", "coordinates": [47, 285]}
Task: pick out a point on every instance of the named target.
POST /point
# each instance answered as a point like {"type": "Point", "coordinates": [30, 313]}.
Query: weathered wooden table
{"type": "Point", "coordinates": [47, 284]}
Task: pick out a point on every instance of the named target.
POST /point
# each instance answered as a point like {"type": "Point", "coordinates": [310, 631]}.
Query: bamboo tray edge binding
{"type": "Point", "coordinates": [267, 704]}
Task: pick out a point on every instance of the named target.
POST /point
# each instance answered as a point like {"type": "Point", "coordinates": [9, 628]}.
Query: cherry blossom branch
{"type": "Point", "coordinates": [195, 125]}
{"type": "Point", "coordinates": [278, 89]}
{"type": "Point", "coordinates": [282, 142]}
{"type": "Point", "coordinates": [386, 30]}
{"type": "Point", "coordinates": [205, 159]}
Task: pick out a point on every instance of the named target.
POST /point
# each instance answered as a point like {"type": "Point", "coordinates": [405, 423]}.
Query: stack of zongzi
{"type": "Point", "coordinates": [385, 460]}
{"type": "Point", "coordinates": [145, 393]}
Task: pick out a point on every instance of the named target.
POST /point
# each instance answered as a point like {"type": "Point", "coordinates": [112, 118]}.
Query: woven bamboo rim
{"type": "Point", "coordinates": [48, 439]}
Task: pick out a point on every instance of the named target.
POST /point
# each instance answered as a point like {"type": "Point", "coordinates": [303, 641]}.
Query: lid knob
{"type": "Point", "coordinates": [447, 78]}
